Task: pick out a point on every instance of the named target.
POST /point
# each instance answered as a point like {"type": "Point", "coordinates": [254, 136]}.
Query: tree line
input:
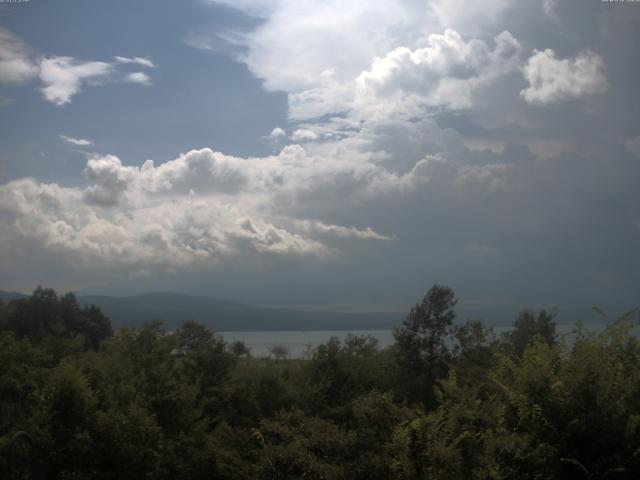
{"type": "Point", "coordinates": [446, 401]}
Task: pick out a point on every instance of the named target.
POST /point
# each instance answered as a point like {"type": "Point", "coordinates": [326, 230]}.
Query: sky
{"type": "Point", "coordinates": [342, 155]}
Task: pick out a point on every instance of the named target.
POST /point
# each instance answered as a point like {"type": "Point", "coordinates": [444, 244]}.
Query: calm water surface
{"type": "Point", "coordinates": [299, 342]}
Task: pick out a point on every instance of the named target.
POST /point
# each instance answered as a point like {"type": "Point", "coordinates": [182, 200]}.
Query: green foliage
{"type": "Point", "coordinates": [339, 372]}
{"type": "Point", "coordinates": [24, 371]}
{"type": "Point", "coordinates": [529, 327]}
{"type": "Point", "coordinates": [422, 344]}
{"type": "Point", "coordinates": [446, 401]}
{"type": "Point", "coordinates": [44, 315]}
{"type": "Point", "coordinates": [298, 446]}
{"type": "Point", "coordinates": [279, 352]}
{"type": "Point", "coordinates": [258, 389]}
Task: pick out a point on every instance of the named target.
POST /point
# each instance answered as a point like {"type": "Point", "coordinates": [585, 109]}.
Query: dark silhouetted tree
{"type": "Point", "coordinates": [422, 343]}
{"type": "Point", "coordinates": [529, 327]}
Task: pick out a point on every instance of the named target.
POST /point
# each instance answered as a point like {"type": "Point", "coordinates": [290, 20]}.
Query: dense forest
{"type": "Point", "coordinates": [448, 400]}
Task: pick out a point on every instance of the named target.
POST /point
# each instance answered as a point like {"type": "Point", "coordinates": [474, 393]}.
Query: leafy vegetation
{"type": "Point", "coordinates": [446, 401]}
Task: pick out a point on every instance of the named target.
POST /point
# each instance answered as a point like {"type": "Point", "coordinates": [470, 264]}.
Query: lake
{"type": "Point", "coordinates": [299, 341]}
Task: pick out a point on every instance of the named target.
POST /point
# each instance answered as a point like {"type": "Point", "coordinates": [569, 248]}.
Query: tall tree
{"type": "Point", "coordinates": [529, 327]}
{"type": "Point", "coordinates": [422, 345]}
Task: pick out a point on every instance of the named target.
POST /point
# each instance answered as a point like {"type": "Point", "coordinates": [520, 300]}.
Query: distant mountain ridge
{"type": "Point", "coordinates": [8, 296]}
{"type": "Point", "coordinates": [223, 315]}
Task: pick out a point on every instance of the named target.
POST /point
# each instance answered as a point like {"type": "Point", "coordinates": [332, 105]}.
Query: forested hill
{"type": "Point", "coordinates": [221, 315]}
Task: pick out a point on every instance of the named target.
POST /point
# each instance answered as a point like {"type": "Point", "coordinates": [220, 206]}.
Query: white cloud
{"type": "Point", "coordinates": [145, 62]}
{"type": "Point", "coordinates": [175, 234]}
{"type": "Point", "coordinates": [301, 39]}
{"type": "Point", "coordinates": [16, 64]}
{"type": "Point", "coordinates": [205, 208]}
{"type": "Point", "coordinates": [446, 72]}
{"type": "Point", "coordinates": [368, 86]}
{"type": "Point", "coordinates": [110, 180]}
{"type": "Point", "coordinates": [397, 188]}
{"type": "Point", "coordinates": [316, 51]}
{"type": "Point", "coordinates": [203, 171]}
{"type": "Point", "coordinates": [303, 134]}
{"type": "Point", "coordinates": [81, 142]}
{"type": "Point", "coordinates": [63, 77]}
{"type": "Point", "coordinates": [139, 78]}
{"type": "Point", "coordinates": [297, 40]}
{"type": "Point", "coordinates": [277, 133]}
{"type": "Point", "coordinates": [202, 208]}
{"type": "Point", "coordinates": [340, 231]}
{"type": "Point", "coordinates": [552, 79]}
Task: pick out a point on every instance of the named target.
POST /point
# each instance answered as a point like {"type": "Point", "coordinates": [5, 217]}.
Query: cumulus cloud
{"type": "Point", "coordinates": [201, 208]}
{"type": "Point", "coordinates": [205, 207]}
{"type": "Point", "coordinates": [552, 79]}
{"type": "Point", "coordinates": [314, 51]}
{"type": "Point", "coordinates": [203, 171]}
{"type": "Point", "coordinates": [138, 77]}
{"type": "Point", "coordinates": [142, 61]}
{"type": "Point", "coordinates": [318, 203]}
{"type": "Point", "coordinates": [277, 133]}
{"type": "Point", "coordinates": [109, 178]}
{"type": "Point", "coordinates": [63, 77]}
{"type": "Point", "coordinates": [383, 100]}
{"type": "Point", "coordinates": [321, 55]}
{"type": "Point", "coordinates": [444, 73]}
{"type": "Point", "coordinates": [80, 142]}
{"type": "Point", "coordinates": [16, 64]}
{"type": "Point", "coordinates": [299, 40]}
{"type": "Point", "coordinates": [303, 134]}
